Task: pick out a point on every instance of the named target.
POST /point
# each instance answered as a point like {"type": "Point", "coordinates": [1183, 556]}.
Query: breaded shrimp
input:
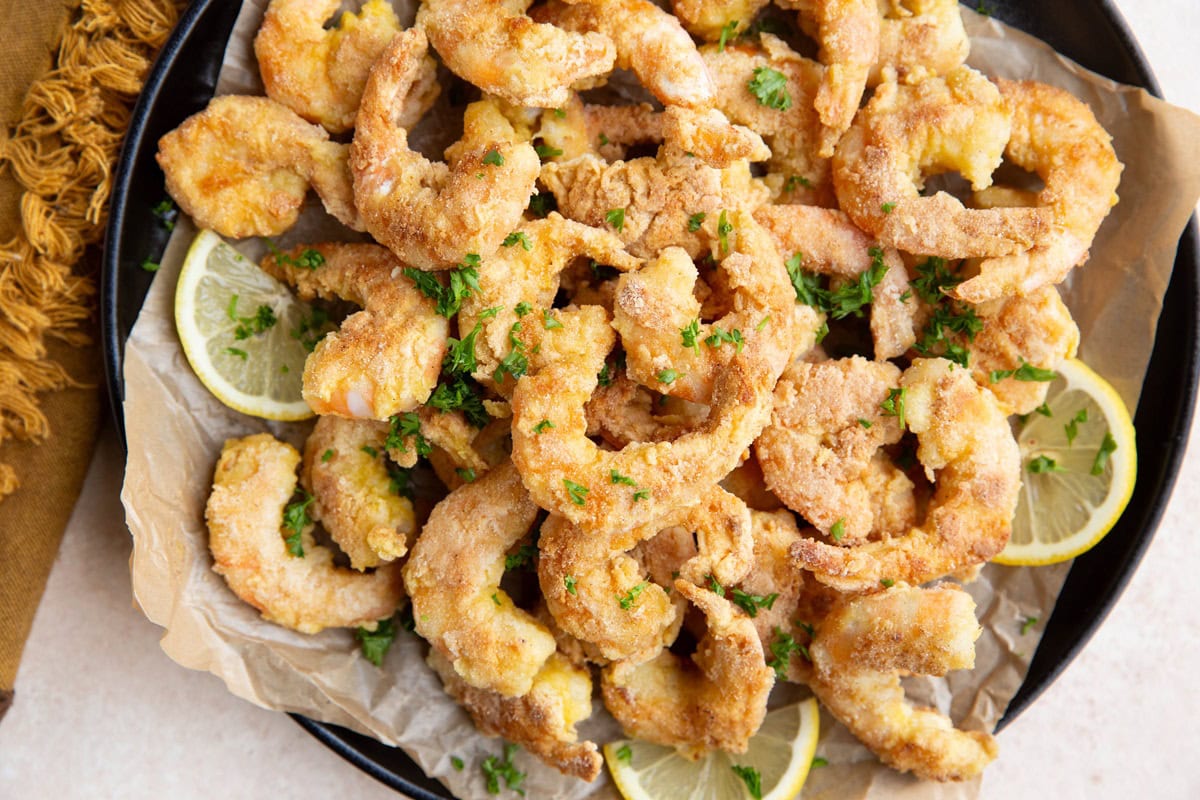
{"type": "Point", "coordinates": [859, 653]}
{"type": "Point", "coordinates": [720, 705]}
{"type": "Point", "coordinates": [353, 499]}
{"type": "Point", "coordinates": [712, 19]}
{"type": "Point", "coordinates": [494, 45]}
{"type": "Point", "coordinates": [243, 166]}
{"type": "Point", "coordinates": [848, 34]}
{"type": "Point", "coordinates": [919, 39]}
{"type": "Point", "coordinates": [453, 579]}
{"type": "Point", "coordinates": [568, 474]}
{"type": "Point", "coordinates": [746, 481]}
{"type": "Point", "coordinates": [1037, 329]}
{"type": "Point", "coordinates": [542, 720]}
{"type": "Point", "coordinates": [598, 594]}
{"type": "Point", "coordinates": [255, 478]}
{"type": "Point", "coordinates": [433, 214]}
{"type": "Point", "coordinates": [797, 173]}
{"type": "Point", "coordinates": [624, 411]}
{"type": "Point", "coordinates": [384, 359]}
{"type": "Point", "coordinates": [958, 122]}
{"type": "Point", "coordinates": [649, 41]}
{"type": "Point", "coordinates": [821, 452]}
{"type": "Point", "coordinates": [519, 283]}
{"type": "Point", "coordinates": [320, 72]}
{"type": "Point", "coordinates": [828, 243]}
{"type": "Point", "coordinates": [1055, 135]}
{"type": "Point", "coordinates": [966, 446]}
{"type": "Point", "coordinates": [670, 349]}
{"type": "Point", "coordinates": [460, 449]}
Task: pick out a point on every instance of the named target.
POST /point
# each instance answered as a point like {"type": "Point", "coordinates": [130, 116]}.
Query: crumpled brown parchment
{"type": "Point", "coordinates": [175, 430]}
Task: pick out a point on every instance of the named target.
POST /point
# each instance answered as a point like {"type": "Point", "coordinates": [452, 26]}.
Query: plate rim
{"type": "Point", "coordinates": [343, 741]}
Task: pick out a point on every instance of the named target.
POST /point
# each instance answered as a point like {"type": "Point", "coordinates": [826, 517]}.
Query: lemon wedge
{"type": "Point", "coordinates": [779, 756]}
{"type": "Point", "coordinates": [242, 331]}
{"type": "Point", "coordinates": [1078, 468]}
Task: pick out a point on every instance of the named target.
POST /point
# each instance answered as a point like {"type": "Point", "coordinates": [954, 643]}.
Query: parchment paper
{"type": "Point", "coordinates": [175, 430]}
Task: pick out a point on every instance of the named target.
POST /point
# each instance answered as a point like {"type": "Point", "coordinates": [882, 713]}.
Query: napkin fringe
{"type": "Point", "coordinates": [61, 152]}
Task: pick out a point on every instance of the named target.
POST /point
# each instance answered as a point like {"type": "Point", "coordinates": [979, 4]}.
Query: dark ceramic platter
{"type": "Point", "coordinates": [1089, 31]}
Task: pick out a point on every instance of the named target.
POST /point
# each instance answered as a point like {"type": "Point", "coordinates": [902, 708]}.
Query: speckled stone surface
{"type": "Point", "coordinates": [101, 712]}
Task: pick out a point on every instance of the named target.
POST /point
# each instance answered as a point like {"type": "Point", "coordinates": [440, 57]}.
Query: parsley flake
{"type": "Point", "coordinates": [150, 266]}
{"type": "Point", "coordinates": [782, 649]}
{"type": "Point", "coordinates": [166, 212]}
{"type": "Point", "coordinates": [545, 151]}
{"type": "Point", "coordinates": [576, 492]}
{"type": "Point", "coordinates": [549, 322]}
{"type": "Point", "coordinates": [819, 761]}
{"type": "Point", "coordinates": [523, 556]}
{"type": "Point", "coordinates": [624, 480]}
{"type": "Point", "coordinates": [403, 427]}
{"type": "Point", "coordinates": [497, 768]}
{"type": "Point", "coordinates": [296, 519]}
{"type": "Point", "coordinates": [624, 753]}
{"type": "Point", "coordinates": [375, 644]}
{"type": "Point", "coordinates": [543, 426]}
{"type": "Point", "coordinates": [517, 237]}
{"type": "Point", "coordinates": [326, 456]}
{"type": "Point", "coordinates": [691, 335]}
{"type": "Point", "coordinates": [1107, 448]}
{"type": "Point", "coordinates": [695, 221]}
{"type": "Point", "coordinates": [751, 777]}
{"type": "Point", "coordinates": [751, 603]}
{"type": "Point", "coordinates": [887, 583]}
{"type": "Point", "coordinates": [494, 158]}
{"type": "Point", "coordinates": [457, 763]}
{"type": "Point", "coordinates": [569, 582]}
{"type": "Point", "coordinates": [1043, 464]}
{"type": "Point", "coordinates": [838, 530]}
{"type": "Point", "coordinates": [887, 208]}
{"type": "Point", "coordinates": [1072, 427]}
{"type": "Point", "coordinates": [1028, 624]}
{"type": "Point", "coordinates": [668, 376]}
{"type": "Point", "coordinates": [727, 31]}
{"type": "Point", "coordinates": [616, 218]}
{"type": "Point", "coordinates": [770, 88]}
{"type": "Point", "coordinates": [724, 228]}
{"type": "Point", "coordinates": [631, 596]}
{"type": "Point", "coordinates": [893, 406]}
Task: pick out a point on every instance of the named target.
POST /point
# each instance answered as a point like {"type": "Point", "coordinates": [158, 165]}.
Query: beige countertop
{"type": "Point", "coordinates": [102, 712]}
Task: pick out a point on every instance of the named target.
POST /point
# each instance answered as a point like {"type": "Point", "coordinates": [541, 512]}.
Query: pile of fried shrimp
{"type": "Point", "coordinates": [709, 389]}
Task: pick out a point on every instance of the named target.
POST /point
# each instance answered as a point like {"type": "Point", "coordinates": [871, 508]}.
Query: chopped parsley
{"type": "Point", "coordinates": [150, 266]}
{"type": "Point", "coordinates": [866, 423]}
{"type": "Point", "coordinates": [375, 644]}
{"type": "Point", "coordinates": [543, 426]}
{"type": "Point", "coordinates": [631, 596]}
{"type": "Point", "coordinates": [1107, 448]}
{"type": "Point", "coordinates": [466, 473]}
{"type": "Point", "coordinates": [782, 649]}
{"type": "Point", "coordinates": [235, 352]}
{"type": "Point", "coordinates": [400, 481]}
{"type": "Point", "coordinates": [770, 88]}
{"type": "Point", "coordinates": [263, 320]}
{"type": "Point", "coordinates": [459, 395]}
{"type": "Point", "coordinates": [494, 158]}
{"type": "Point", "coordinates": [1026, 372]}
{"type": "Point", "coordinates": [724, 228]}
{"type": "Point", "coordinates": [668, 376]}
{"type": "Point", "coordinates": [948, 316]}
{"type": "Point", "coordinates": [523, 556]}
{"type": "Point", "coordinates": [727, 31]}
{"type": "Point", "coordinates": [641, 494]}
{"type": "Point", "coordinates": [522, 308]}
{"type": "Point", "coordinates": [603, 139]}
{"type": "Point", "coordinates": [457, 763]}
{"type": "Point", "coordinates": [616, 218]}
{"type": "Point", "coordinates": [695, 221]}
{"type": "Point", "coordinates": [166, 212]}
{"type": "Point", "coordinates": [1043, 464]}
{"type": "Point", "coordinates": [751, 777]}
{"type": "Point", "coordinates": [762, 323]}
{"type": "Point", "coordinates": [464, 281]}
{"type": "Point", "coordinates": [751, 603]}
{"type": "Point", "coordinates": [893, 406]}
{"type": "Point", "coordinates": [844, 301]}
{"type": "Point", "coordinates": [887, 583]}
{"type": "Point", "coordinates": [496, 599]}
{"type": "Point", "coordinates": [549, 322]}
{"type": "Point", "coordinates": [887, 208]}
{"type": "Point", "coordinates": [797, 180]}
{"type": "Point", "coordinates": [405, 426]}
{"type": "Point", "coordinates": [691, 335]}
{"type": "Point", "coordinates": [715, 586]}
{"type": "Point", "coordinates": [624, 753]}
{"type": "Point", "coordinates": [545, 151]}
{"type": "Point", "coordinates": [625, 480]}
{"type": "Point", "coordinates": [819, 761]}
{"type": "Point", "coordinates": [312, 329]}
{"type": "Point", "coordinates": [1072, 427]}
{"type": "Point", "coordinates": [296, 519]}
{"type": "Point", "coordinates": [497, 768]}
{"type": "Point", "coordinates": [719, 337]}
{"type": "Point", "coordinates": [328, 454]}
{"type": "Point", "coordinates": [515, 363]}
{"type": "Point", "coordinates": [1028, 624]}
{"type": "Point", "coordinates": [371, 451]}
{"type": "Point", "coordinates": [575, 492]}
{"type": "Point", "coordinates": [517, 237]}
{"type": "Point", "coordinates": [542, 204]}
{"type": "Point", "coordinates": [569, 582]}
{"type": "Point", "coordinates": [838, 530]}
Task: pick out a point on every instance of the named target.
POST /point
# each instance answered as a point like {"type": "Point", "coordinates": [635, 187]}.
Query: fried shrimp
{"type": "Point", "coordinates": [919, 39]}
{"type": "Point", "coordinates": [712, 19]}
{"type": "Point", "coordinates": [906, 133]}
{"type": "Point", "coordinates": [822, 456]}
{"type": "Point", "coordinates": [624, 411]}
{"type": "Point", "coordinates": [384, 359]}
{"type": "Point", "coordinates": [848, 34]}
{"type": "Point", "coordinates": [494, 45]}
{"type": "Point", "coordinates": [719, 705]}
{"type": "Point", "coordinates": [828, 243]}
{"type": "Point", "coordinates": [255, 478]}
{"type": "Point", "coordinates": [1035, 329]}
{"type": "Point", "coordinates": [453, 579]}
{"type": "Point", "coordinates": [568, 474]}
{"type": "Point", "coordinates": [352, 493]}
{"type": "Point", "coordinates": [861, 649]}
{"type": "Point", "coordinates": [796, 172]}
{"type": "Point", "coordinates": [669, 348]}
{"type": "Point", "coordinates": [432, 215]}
{"type": "Point", "coordinates": [598, 593]}
{"type": "Point", "coordinates": [965, 443]}
{"type": "Point", "coordinates": [1056, 136]}
{"type": "Point", "coordinates": [649, 41]}
{"type": "Point", "coordinates": [542, 720]}
{"type": "Point", "coordinates": [520, 283]}
{"type": "Point", "coordinates": [320, 72]}
{"type": "Point", "coordinates": [243, 166]}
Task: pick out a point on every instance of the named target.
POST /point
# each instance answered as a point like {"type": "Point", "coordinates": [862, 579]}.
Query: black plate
{"type": "Point", "coordinates": [1089, 31]}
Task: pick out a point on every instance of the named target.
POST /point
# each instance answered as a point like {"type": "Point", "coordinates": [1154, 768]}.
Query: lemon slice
{"type": "Point", "coordinates": [1078, 467]}
{"type": "Point", "coordinates": [236, 324]}
{"type": "Point", "coordinates": [781, 753]}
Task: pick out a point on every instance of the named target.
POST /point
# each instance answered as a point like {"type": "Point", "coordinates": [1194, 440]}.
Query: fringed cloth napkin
{"type": "Point", "coordinates": [69, 73]}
